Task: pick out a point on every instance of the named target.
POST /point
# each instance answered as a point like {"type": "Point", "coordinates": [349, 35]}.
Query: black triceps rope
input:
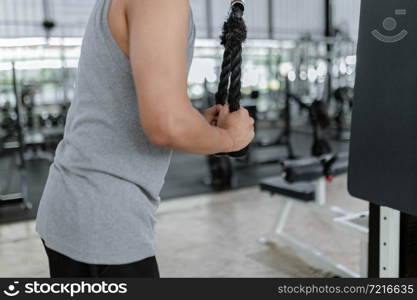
{"type": "Point", "coordinates": [233, 36]}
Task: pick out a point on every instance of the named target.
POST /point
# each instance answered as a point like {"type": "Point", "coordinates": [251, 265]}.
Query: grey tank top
{"type": "Point", "coordinates": [103, 188]}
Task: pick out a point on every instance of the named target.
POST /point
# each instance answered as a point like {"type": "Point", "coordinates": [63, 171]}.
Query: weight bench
{"type": "Point", "coordinates": [299, 175]}
{"type": "Point", "coordinates": [304, 183]}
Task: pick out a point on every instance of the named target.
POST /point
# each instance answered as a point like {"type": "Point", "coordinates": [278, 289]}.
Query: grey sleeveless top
{"type": "Point", "coordinates": [103, 188]}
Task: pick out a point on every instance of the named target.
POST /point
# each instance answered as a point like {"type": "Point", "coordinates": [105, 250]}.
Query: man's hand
{"type": "Point", "coordinates": [212, 114]}
{"type": "Point", "coordinates": [239, 125]}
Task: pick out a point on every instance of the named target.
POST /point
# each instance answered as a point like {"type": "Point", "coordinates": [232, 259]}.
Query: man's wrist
{"type": "Point", "coordinates": [229, 144]}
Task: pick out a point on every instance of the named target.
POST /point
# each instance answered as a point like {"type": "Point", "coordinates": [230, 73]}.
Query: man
{"type": "Point", "coordinates": [131, 110]}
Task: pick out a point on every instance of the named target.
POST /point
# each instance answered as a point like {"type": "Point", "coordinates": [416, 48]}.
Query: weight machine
{"type": "Point", "coordinates": [19, 147]}
{"type": "Point", "coordinates": [383, 149]}
{"type": "Point", "coordinates": [304, 183]}
{"type": "Point", "coordinates": [382, 160]}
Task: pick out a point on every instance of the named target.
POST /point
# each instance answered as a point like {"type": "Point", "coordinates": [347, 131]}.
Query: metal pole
{"type": "Point", "coordinates": [321, 191]}
{"type": "Point", "coordinates": [48, 23]}
{"type": "Point", "coordinates": [408, 246]}
{"type": "Point", "coordinates": [271, 30]}
{"type": "Point", "coordinates": [373, 249]}
{"type": "Point", "coordinates": [329, 32]}
{"type": "Point", "coordinates": [209, 19]}
{"type": "Point", "coordinates": [19, 128]}
{"type": "Point", "coordinates": [389, 266]}
{"type": "Point", "coordinates": [329, 26]}
{"type": "Point", "coordinates": [46, 10]}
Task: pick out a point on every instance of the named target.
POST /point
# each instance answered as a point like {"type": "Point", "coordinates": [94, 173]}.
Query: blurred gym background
{"type": "Point", "coordinates": [298, 78]}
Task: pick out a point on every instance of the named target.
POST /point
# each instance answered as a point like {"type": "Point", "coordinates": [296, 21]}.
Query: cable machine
{"type": "Point", "coordinates": [383, 161]}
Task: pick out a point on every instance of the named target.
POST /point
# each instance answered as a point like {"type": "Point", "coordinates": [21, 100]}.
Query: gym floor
{"type": "Point", "coordinates": [217, 235]}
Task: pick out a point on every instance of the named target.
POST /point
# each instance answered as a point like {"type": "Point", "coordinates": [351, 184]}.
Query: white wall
{"type": "Point", "coordinates": [23, 18]}
{"type": "Point", "coordinates": [292, 18]}
{"type": "Point", "coordinates": [346, 16]}
{"type": "Point", "coordinates": [22, 12]}
{"type": "Point", "coordinates": [71, 16]}
{"type": "Point", "coordinates": [200, 17]}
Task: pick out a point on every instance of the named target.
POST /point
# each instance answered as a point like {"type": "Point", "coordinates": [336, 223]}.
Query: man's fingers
{"type": "Point", "coordinates": [213, 112]}
{"type": "Point", "coordinates": [225, 111]}
{"type": "Point", "coordinates": [215, 109]}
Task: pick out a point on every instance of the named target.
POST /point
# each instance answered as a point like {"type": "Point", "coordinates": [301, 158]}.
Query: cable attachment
{"type": "Point", "coordinates": [238, 6]}
{"type": "Point", "coordinates": [233, 36]}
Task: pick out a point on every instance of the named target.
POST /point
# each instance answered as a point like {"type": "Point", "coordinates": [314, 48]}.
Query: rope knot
{"type": "Point", "coordinates": [234, 30]}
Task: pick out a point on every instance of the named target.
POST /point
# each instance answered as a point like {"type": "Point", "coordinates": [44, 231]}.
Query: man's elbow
{"type": "Point", "coordinates": [165, 135]}
{"type": "Point", "coordinates": [160, 139]}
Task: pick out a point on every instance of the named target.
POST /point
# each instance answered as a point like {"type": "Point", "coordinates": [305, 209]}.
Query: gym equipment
{"type": "Point", "coordinates": [344, 99]}
{"type": "Point", "coordinates": [383, 139]}
{"type": "Point", "coordinates": [233, 36]}
{"type": "Point", "coordinates": [298, 176]}
{"type": "Point", "coordinates": [383, 147]}
{"type": "Point", "coordinates": [309, 169]}
{"type": "Point", "coordinates": [285, 137]}
{"type": "Point", "coordinates": [229, 89]}
{"type": "Point", "coordinates": [221, 172]}
{"type": "Point", "coordinates": [319, 120]}
{"type": "Point", "coordinates": [304, 183]}
{"type": "Point", "coordinates": [27, 98]}
{"type": "Point", "coordinates": [48, 23]}
{"type": "Point", "coordinates": [294, 74]}
{"type": "Point", "coordinates": [22, 197]}
{"type": "Point", "coordinates": [8, 119]}
{"type": "Point", "coordinates": [324, 69]}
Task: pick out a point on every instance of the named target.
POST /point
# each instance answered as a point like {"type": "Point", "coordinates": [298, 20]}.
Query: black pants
{"type": "Point", "coordinates": [61, 266]}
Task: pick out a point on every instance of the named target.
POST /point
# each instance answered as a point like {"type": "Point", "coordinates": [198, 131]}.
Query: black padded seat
{"type": "Point", "coordinates": [311, 169]}
{"type": "Point", "coordinates": [302, 191]}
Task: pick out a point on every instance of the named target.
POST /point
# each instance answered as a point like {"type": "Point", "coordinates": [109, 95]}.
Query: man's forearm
{"type": "Point", "coordinates": [195, 135]}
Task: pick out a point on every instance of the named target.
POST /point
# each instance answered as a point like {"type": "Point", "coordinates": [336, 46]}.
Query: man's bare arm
{"type": "Point", "coordinates": [158, 35]}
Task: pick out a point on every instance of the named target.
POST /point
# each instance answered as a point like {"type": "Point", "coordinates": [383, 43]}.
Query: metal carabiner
{"type": "Point", "coordinates": [240, 4]}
